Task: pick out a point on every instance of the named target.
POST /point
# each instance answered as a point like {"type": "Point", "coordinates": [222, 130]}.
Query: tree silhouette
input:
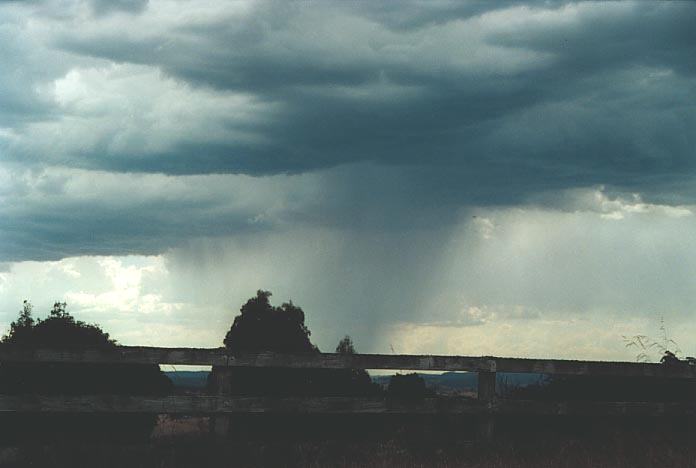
{"type": "Point", "coordinates": [351, 381]}
{"type": "Point", "coordinates": [345, 346]}
{"type": "Point", "coordinates": [20, 329]}
{"type": "Point", "coordinates": [262, 327]}
{"type": "Point", "coordinates": [407, 386]}
{"type": "Point", "coordinates": [61, 330]}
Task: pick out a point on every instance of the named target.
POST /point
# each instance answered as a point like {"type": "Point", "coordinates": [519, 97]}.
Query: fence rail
{"type": "Point", "coordinates": [219, 357]}
{"type": "Point", "coordinates": [221, 405]}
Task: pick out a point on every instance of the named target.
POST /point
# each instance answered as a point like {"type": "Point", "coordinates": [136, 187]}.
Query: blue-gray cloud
{"type": "Point", "coordinates": [102, 7]}
{"type": "Point", "coordinates": [400, 116]}
{"type": "Point", "coordinates": [567, 91]}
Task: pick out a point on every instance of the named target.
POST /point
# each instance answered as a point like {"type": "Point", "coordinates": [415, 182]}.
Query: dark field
{"type": "Point", "coordinates": [416, 442]}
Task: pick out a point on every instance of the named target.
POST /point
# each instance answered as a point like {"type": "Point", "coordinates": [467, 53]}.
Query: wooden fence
{"type": "Point", "coordinates": [221, 404]}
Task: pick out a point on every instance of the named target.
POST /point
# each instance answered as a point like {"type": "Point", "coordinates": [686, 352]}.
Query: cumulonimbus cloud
{"type": "Point", "coordinates": [389, 116]}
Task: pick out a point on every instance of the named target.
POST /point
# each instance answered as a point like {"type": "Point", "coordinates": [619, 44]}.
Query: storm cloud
{"type": "Point", "coordinates": [459, 164]}
{"type": "Point", "coordinates": [541, 91]}
{"type": "Point", "coordinates": [465, 104]}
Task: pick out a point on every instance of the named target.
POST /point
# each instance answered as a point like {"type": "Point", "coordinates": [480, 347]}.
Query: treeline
{"type": "Point", "coordinates": [261, 327]}
{"type": "Point", "coordinates": [62, 330]}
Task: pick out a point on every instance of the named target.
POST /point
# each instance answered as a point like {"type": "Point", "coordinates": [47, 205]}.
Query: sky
{"type": "Point", "coordinates": [477, 178]}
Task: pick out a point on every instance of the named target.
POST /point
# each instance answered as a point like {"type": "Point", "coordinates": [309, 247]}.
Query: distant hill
{"type": "Point", "coordinates": [188, 380]}
{"type": "Point", "coordinates": [447, 382]}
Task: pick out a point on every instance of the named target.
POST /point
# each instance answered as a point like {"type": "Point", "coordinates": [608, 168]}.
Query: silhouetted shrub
{"type": "Point", "coordinates": [262, 327]}
{"type": "Point", "coordinates": [355, 382]}
{"type": "Point", "coordinates": [60, 330]}
{"type": "Point", "coordinates": [407, 386]}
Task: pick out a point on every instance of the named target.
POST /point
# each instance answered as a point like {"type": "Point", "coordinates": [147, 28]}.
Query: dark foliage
{"type": "Point", "coordinates": [262, 327]}
{"type": "Point", "coordinates": [345, 346]}
{"type": "Point", "coordinates": [351, 381]}
{"type": "Point", "coordinates": [407, 386]}
{"type": "Point", "coordinates": [610, 388]}
{"type": "Point", "coordinates": [61, 330]}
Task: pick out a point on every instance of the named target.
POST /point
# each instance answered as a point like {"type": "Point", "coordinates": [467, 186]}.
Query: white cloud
{"type": "Point", "coordinates": [593, 337]}
{"type": "Point", "coordinates": [133, 110]}
{"type": "Point", "coordinates": [484, 226]}
{"type": "Point", "coordinates": [619, 207]}
{"type": "Point", "coordinates": [110, 291]}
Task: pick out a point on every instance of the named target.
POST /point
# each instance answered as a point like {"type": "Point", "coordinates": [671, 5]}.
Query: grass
{"type": "Point", "coordinates": [184, 442]}
{"type": "Point", "coordinates": [569, 453]}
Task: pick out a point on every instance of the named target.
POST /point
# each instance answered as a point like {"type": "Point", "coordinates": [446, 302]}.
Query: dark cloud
{"type": "Point", "coordinates": [448, 177]}
{"type": "Point", "coordinates": [103, 7]}
{"type": "Point", "coordinates": [20, 78]}
{"type": "Point", "coordinates": [404, 114]}
{"type": "Point", "coordinates": [560, 91]}
{"type": "Point", "coordinates": [57, 214]}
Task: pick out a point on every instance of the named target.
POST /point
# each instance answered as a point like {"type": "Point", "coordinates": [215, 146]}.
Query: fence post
{"type": "Point", "coordinates": [486, 394]}
{"type": "Point", "coordinates": [221, 422]}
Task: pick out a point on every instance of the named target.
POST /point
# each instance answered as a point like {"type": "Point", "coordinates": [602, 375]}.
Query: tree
{"type": "Point", "coordinates": [262, 327]}
{"type": "Point", "coordinates": [345, 346]}
{"type": "Point", "coordinates": [407, 386]}
{"type": "Point", "coordinates": [61, 330]}
{"type": "Point", "coordinates": [58, 330]}
{"type": "Point", "coordinates": [352, 381]}
{"type": "Point", "coordinates": [21, 327]}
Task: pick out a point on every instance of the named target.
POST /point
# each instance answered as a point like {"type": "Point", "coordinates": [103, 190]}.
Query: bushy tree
{"type": "Point", "coordinates": [60, 330]}
{"type": "Point", "coordinates": [262, 327]}
{"type": "Point", "coordinates": [407, 386]}
{"type": "Point", "coordinates": [21, 329]}
{"type": "Point", "coordinates": [345, 346]}
{"type": "Point", "coordinates": [352, 381]}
